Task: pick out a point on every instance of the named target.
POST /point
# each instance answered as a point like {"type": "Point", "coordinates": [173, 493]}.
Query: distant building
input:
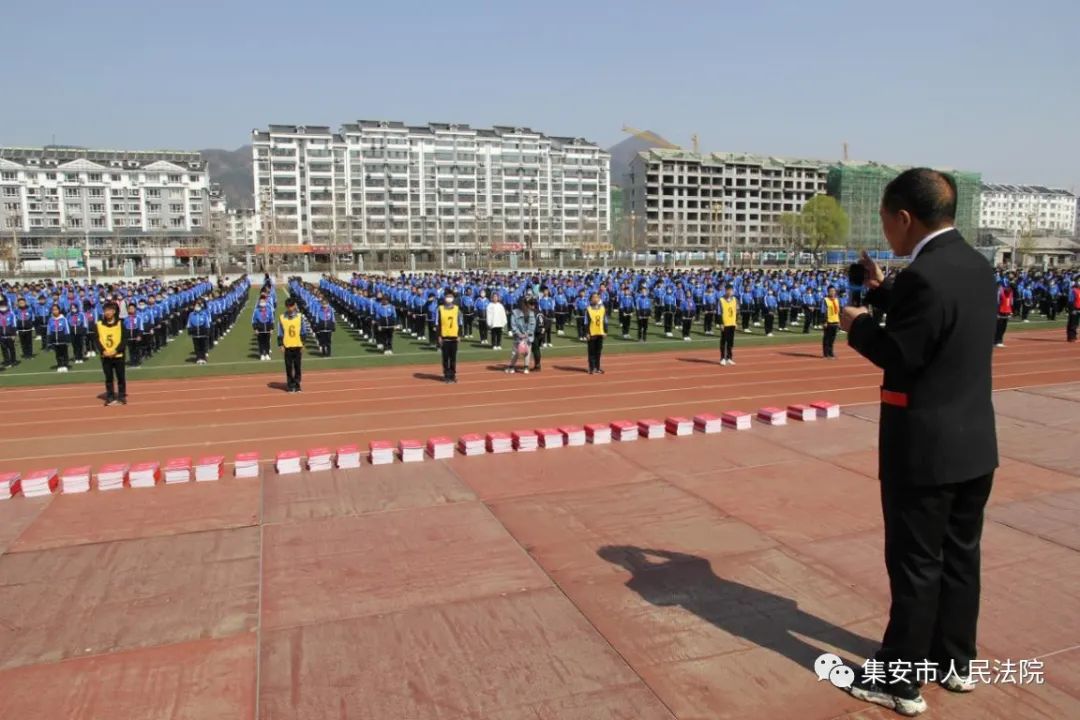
{"type": "Point", "coordinates": [121, 204]}
{"type": "Point", "coordinates": [373, 187]}
{"type": "Point", "coordinates": [241, 227]}
{"type": "Point", "coordinates": [679, 200]}
{"type": "Point", "coordinates": [1028, 208]}
{"type": "Point", "coordinates": [858, 187]}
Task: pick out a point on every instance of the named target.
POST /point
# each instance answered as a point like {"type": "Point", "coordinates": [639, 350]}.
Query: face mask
{"type": "Point", "coordinates": [449, 301]}
{"type": "Point", "coordinates": [198, 307]}
{"type": "Point", "coordinates": [262, 304]}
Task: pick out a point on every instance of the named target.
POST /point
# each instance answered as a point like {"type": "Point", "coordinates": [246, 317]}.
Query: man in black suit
{"type": "Point", "coordinates": [938, 443]}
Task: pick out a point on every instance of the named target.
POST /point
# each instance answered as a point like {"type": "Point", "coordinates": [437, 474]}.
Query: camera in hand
{"type": "Point", "coordinates": [856, 274]}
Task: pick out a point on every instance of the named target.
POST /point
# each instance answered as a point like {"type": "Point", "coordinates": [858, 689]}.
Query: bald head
{"type": "Point", "coordinates": [927, 195]}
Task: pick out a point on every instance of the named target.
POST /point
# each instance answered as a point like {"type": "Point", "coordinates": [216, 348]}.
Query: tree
{"type": "Point", "coordinates": [824, 223]}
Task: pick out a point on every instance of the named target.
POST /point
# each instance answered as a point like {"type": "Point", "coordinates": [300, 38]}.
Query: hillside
{"type": "Point", "coordinates": [232, 170]}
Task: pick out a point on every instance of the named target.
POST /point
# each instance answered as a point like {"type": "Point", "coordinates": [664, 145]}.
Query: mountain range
{"type": "Point", "coordinates": [231, 169]}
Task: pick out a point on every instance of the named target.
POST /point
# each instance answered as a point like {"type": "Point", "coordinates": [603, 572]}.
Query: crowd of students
{"type": "Point", "coordinates": [1051, 293]}
{"type": "Point", "coordinates": [64, 316]}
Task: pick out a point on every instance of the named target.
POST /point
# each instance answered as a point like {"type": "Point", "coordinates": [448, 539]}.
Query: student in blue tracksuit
{"type": "Point", "coordinates": [133, 324]}
{"type": "Point", "coordinates": [770, 306]}
{"type": "Point", "coordinates": [687, 311]}
{"type": "Point", "coordinates": [783, 304]}
{"type": "Point", "coordinates": [199, 328]}
{"type": "Point", "coordinates": [746, 308]}
{"type": "Point", "coordinates": [324, 326]}
{"type": "Point", "coordinates": [670, 303]}
{"type": "Point", "coordinates": [77, 325]}
{"type": "Point", "coordinates": [385, 320]}
{"type": "Point", "coordinates": [809, 302]}
{"type": "Point", "coordinates": [643, 306]}
{"type": "Point", "coordinates": [7, 333]}
{"type": "Point", "coordinates": [262, 320]}
{"type": "Point", "coordinates": [626, 311]}
{"type": "Point", "coordinates": [58, 335]}
{"type": "Point", "coordinates": [468, 312]}
{"type": "Point", "coordinates": [546, 307]}
{"type": "Point", "coordinates": [709, 299]}
{"type": "Point", "coordinates": [581, 304]}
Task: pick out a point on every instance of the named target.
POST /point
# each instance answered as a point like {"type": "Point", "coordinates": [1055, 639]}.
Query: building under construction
{"type": "Point", "coordinates": [858, 187]}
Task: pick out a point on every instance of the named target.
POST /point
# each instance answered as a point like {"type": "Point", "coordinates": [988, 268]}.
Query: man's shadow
{"type": "Point", "coordinates": [774, 622]}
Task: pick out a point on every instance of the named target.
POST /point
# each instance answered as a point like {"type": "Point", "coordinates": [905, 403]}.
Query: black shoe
{"type": "Point", "coordinates": [599, 371]}
{"type": "Point", "coordinates": [591, 371]}
{"type": "Point", "coordinates": [904, 698]}
{"type": "Point", "coordinates": [299, 389]}
{"type": "Point", "coordinates": [536, 369]}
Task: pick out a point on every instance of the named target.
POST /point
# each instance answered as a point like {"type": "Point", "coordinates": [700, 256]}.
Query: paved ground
{"type": "Point", "coordinates": [690, 578]}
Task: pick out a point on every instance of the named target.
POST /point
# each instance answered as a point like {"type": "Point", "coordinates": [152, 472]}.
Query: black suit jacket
{"type": "Point", "coordinates": [937, 418]}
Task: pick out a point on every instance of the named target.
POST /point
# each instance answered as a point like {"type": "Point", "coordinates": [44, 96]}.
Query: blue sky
{"type": "Point", "coordinates": [990, 86]}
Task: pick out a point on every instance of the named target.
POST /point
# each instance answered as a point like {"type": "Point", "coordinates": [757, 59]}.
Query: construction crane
{"type": "Point", "coordinates": [657, 140]}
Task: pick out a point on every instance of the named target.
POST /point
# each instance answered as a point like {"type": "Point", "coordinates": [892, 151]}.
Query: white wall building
{"type": "Point", "coordinates": [679, 200]}
{"type": "Point", "coordinates": [241, 227]}
{"type": "Point", "coordinates": [117, 202]}
{"type": "Point", "coordinates": [375, 185]}
{"type": "Point", "coordinates": [1022, 208]}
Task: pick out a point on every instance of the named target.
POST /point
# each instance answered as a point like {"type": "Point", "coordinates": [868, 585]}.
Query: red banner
{"type": "Point", "coordinates": [187, 252]}
{"type": "Point", "coordinates": [507, 247]}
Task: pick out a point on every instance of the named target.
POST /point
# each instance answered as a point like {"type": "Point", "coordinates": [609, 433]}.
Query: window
{"type": "Point", "coordinates": [177, 222]}
{"type": "Point", "coordinates": [95, 177]}
{"type": "Point", "coordinates": [97, 222]}
{"type": "Point", "coordinates": [71, 192]}
{"type": "Point", "coordinates": [97, 207]}
{"type": "Point", "coordinates": [7, 176]}
{"type": "Point", "coordinates": [153, 207]}
{"type": "Point", "coordinates": [72, 208]}
{"type": "Point", "coordinates": [193, 178]}
{"type": "Point", "coordinates": [75, 222]}
{"type": "Point", "coordinates": [97, 192]}
{"type": "Point", "coordinates": [155, 222]}
{"type": "Point", "coordinates": [176, 209]}
{"type": "Point", "coordinates": [11, 192]}
{"type": "Point", "coordinates": [176, 178]}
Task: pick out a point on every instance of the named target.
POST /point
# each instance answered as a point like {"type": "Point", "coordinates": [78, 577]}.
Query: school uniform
{"type": "Point", "coordinates": [133, 325]}
{"type": "Point", "coordinates": [746, 308]}
{"type": "Point", "coordinates": [580, 306]}
{"type": "Point", "coordinates": [385, 322]}
{"type": "Point", "coordinates": [831, 308]}
{"type": "Point", "coordinates": [1073, 307]}
{"type": "Point", "coordinates": [468, 313]}
{"type": "Point", "coordinates": [708, 311]}
{"type": "Point", "coordinates": [292, 329]}
{"type": "Point", "coordinates": [543, 328]}
{"type": "Point", "coordinates": [1004, 311]}
{"type": "Point", "coordinates": [687, 310]}
{"type": "Point", "coordinates": [25, 320]}
{"type": "Point", "coordinates": [729, 313]}
{"type": "Point", "coordinates": [449, 323]}
{"type": "Point", "coordinates": [496, 320]}
{"type": "Point", "coordinates": [643, 305]}
{"type": "Point", "coordinates": [770, 306]}
{"type": "Point", "coordinates": [8, 334]}
{"type": "Point", "coordinates": [562, 311]}
{"type": "Point", "coordinates": [546, 306]}
{"type": "Point", "coordinates": [324, 328]}
{"type": "Point", "coordinates": [78, 335]}
{"type": "Point", "coordinates": [809, 305]}
{"type": "Point", "coordinates": [199, 326]}
{"type": "Point", "coordinates": [262, 320]}
{"type": "Point", "coordinates": [59, 335]}
{"type": "Point", "coordinates": [597, 325]}
{"type": "Point", "coordinates": [112, 338]}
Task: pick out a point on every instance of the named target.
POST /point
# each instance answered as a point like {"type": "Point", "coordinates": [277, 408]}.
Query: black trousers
{"type": "Point", "coordinates": [538, 343]}
{"type": "Point", "coordinates": [1071, 326]}
{"type": "Point", "coordinates": [324, 341]}
{"type": "Point", "coordinates": [114, 370]}
{"type": "Point", "coordinates": [745, 319]}
{"type": "Point", "coordinates": [264, 343]}
{"type": "Point", "coordinates": [727, 341]}
{"type": "Point", "coordinates": [61, 351]}
{"type": "Point", "coordinates": [134, 348]}
{"type": "Point", "coordinates": [26, 343]}
{"type": "Point", "coordinates": [643, 326]}
{"type": "Point", "coordinates": [932, 537]}
{"type": "Point", "coordinates": [547, 329]}
{"type": "Point", "coordinates": [7, 347]}
{"type": "Point", "coordinates": [469, 317]}
{"type": "Point", "coordinates": [624, 321]}
{"type": "Point", "coordinates": [200, 344]}
{"type": "Point", "coordinates": [385, 337]}
{"type": "Point", "coordinates": [596, 347]}
{"type": "Point", "coordinates": [449, 358]}
{"type": "Point", "coordinates": [768, 321]}
{"type": "Point", "coordinates": [292, 367]}
{"type": "Point", "coordinates": [1002, 325]}
{"type": "Point", "coordinates": [687, 321]}
{"type": "Point", "coordinates": [482, 326]}
{"type": "Point", "coordinates": [782, 318]}
{"type": "Point", "coordinates": [78, 346]}
{"type": "Point", "coordinates": [496, 336]}
{"type": "Point", "coordinates": [708, 321]}
{"type": "Point", "coordinates": [669, 318]}
{"type": "Point", "coordinates": [828, 339]}
{"type": "Point", "coordinates": [808, 320]}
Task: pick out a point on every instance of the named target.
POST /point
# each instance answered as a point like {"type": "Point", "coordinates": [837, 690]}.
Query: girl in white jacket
{"type": "Point", "coordinates": [496, 320]}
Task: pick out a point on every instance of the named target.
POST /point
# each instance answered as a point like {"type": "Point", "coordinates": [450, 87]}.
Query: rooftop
{"type": "Point", "coordinates": [1025, 190]}
{"type": "Point", "coordinates": [60, 154]}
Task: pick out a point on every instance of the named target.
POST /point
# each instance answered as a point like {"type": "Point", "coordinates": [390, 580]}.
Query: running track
{"type": "Point", "coordinates": [61, 426]}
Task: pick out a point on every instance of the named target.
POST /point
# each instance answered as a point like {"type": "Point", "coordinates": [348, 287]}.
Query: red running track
{"type": "Point", "coordinates": [60, 426]}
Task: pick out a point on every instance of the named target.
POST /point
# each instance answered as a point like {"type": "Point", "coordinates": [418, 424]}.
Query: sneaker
{"type": "Point", "coordinates": [111, 401]}
{"type": "Point", "coordinates": [768, 334]}
{"type": "Point", "coordinates": [509, 371]}
{"type": "Point", "coordinates": [591, 372]}
{"type": "Point", "coordinates": [1000, 345]}
{"type": "Point", "coordinates": [730, 362]}
{"type": "Point", "coordinates": [526, 371]}
{"type": "Point", "coordinates": [723, 362]}
{"type": "Point", "coordinates": [667, 334]}
{"type": "Point", "coordinates": [122, 401]}
{"type": "Point", "coordinates": [954, 682]}
{"type": "Point", "coordinates": [379, 346]}
{"type": "Point", "coordinates": [388, 352]}
{"type": "Point", "coordinates": [901, 697]}
{"type": "Point", "coordinates": [599, 371]}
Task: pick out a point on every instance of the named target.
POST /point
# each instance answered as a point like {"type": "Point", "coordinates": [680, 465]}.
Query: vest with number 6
{"type": "Point", "coordinates": [832, 310]}
{"type": "Point", "coordinates": [109, 336]}
{"type": "Point", "coordinates": [728, 309]}
{"type": "Point", "coordinates": [291, 327]}
{"type": "Point", "coordinates": [448, 322]}
{"type": "Point", "coordinates": [596, 320]}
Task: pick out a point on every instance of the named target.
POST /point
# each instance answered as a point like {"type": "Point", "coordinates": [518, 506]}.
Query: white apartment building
{"type": "Point", "coordinates": [241, 227]}
{"type": "Point", "coordinates": [679, 200]}
{"type": "Point", "coordinates": [116, 202]}
{"type": "Point", "coordinates": [375, 186]}
{"type": "Point", "coordinates": [1022, 208]}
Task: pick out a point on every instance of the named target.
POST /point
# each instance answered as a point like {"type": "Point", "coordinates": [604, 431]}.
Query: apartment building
{"type": "Point", "coordinates": [1028, 208]}
{"type": "Point", "coordinates": [679, 200]}
{"type": "Point", "coordinates": [114, 202]}
{"type": "Point", "coordinates": [378, 186]}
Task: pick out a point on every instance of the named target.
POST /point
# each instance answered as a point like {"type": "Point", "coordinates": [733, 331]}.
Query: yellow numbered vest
{"type": "Point", "coordinates": [291, 328]}
{"type": "Point", "coordinates": [728, 315]}
{"type": "Point", "coordinates": [832, 310]}
{"type": "Point", "coordinates": [109, 336]}
{"type": "Point", "coordinates": [596, 320]}
{"type": "Point", "coordinates": [448, 321]}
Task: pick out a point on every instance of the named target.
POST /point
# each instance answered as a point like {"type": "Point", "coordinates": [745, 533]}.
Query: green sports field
{"type": "Point", "coordinates": [237, 353]}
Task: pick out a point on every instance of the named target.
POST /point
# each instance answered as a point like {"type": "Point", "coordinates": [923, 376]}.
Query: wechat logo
{"type": "Point", "coordinates": [830, 667]}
